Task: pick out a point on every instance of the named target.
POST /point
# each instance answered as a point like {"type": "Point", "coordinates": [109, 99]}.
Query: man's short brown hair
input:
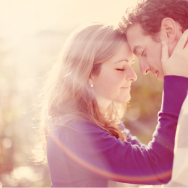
{"type": "Point", "coordinates": [150, 13]}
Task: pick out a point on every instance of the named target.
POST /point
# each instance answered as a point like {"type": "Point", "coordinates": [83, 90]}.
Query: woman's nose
{"type": "Point", "coordinates": [131, 75]}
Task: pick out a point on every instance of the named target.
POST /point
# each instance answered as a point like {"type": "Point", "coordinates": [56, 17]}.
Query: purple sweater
{"type": "Point", "coordinates": [82, 154]}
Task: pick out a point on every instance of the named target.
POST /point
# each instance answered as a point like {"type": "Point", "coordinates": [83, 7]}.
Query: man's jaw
{"type": "Point", "coordinates": [160, 75]}
{"type": "Point", "coordinates": [155, 72]}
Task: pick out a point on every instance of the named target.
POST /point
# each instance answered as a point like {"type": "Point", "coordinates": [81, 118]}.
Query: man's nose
{"type": "Point", "coordinates": [144, 67]}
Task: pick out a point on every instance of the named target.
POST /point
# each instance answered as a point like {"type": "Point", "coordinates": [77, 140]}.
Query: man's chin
{"type": "Point", "coordinates": [160, 76]}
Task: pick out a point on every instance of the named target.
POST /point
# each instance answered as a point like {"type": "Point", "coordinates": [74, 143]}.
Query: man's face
{"type": "Point", "coordinates": [147, 51]}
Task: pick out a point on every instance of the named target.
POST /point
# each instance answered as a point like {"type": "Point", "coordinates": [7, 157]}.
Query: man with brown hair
{"type": "Point", "coordinates": [146, 25]}
{"type": "Point", "coordinates": [149, 23]}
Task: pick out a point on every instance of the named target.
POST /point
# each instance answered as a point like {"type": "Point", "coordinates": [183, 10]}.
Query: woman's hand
{"type": "Point", "coordinates": [177, 63]}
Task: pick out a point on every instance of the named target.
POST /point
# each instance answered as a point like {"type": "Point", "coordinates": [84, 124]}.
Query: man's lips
{"type": "Point", "coordinates": [157, 73]}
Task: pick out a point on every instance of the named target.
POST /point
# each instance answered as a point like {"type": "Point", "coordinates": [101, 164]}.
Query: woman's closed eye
{"type": "Point", "coordinates": [120, 69]}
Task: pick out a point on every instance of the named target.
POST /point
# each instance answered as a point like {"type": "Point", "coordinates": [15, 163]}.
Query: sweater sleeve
{"type": "Point", "coordinates": [132, 139]}
{"type": "Point", "coordinates": [95, 152]}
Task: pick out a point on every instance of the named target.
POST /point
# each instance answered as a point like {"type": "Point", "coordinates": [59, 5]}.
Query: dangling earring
{"type": "Point", "coordinates": [91, 85]}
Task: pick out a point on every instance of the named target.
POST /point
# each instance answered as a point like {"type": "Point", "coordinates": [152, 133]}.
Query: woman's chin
{"type": "Point", "coordinates": [127, 100]}
{"type": "Point", "coordinates": [124, 99]}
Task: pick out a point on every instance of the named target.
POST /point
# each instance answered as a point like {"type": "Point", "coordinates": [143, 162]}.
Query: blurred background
{"type": "Point", "coordinates": [32, 33]}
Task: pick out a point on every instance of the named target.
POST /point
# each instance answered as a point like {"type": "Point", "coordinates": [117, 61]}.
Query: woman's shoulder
{"type": "Point", "coordinates": [73, 124]}
{"type": "Point", "coordinates": [78, 131]}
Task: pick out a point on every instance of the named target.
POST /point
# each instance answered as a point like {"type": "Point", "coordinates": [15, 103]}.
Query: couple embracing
{"type": "Point", "coordinates": [86, 93]}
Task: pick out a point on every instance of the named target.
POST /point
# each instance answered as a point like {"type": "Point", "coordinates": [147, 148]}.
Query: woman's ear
{"type": "Point", "coordinates": [168, 30]}
{"type": "Point", "coordinates": [90, 81]}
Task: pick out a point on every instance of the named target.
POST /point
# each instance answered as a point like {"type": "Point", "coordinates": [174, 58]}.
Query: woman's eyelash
{"type": "Point", "coordinates": [120, 69]}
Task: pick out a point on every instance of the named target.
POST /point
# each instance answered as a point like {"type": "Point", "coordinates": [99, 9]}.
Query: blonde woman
{"type": "Point", "coordinates": [84, 100]}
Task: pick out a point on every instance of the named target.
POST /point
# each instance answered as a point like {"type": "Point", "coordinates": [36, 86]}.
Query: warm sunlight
{"type": "Point", "coordinates": [20, 17]}
{"type": "Point", "coordinates": [31, 37]}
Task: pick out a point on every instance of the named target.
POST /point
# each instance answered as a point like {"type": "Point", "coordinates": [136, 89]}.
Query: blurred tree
{"type": "Point", "coordinates": [7, 115]}
{"type": "Point", "coordinates": [142, 110]}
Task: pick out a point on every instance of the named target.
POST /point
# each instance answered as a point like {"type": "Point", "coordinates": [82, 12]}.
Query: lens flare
{"type": "Point", "coordinates": [107, 174]}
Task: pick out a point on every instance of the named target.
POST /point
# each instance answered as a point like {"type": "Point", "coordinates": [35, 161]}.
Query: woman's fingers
{"type": "Point", "coordinates": [182, 43]}
{"type": "Point", "coordinates": [165, 55]}
{"type": "Point", "coordinates": [177, 63]}
{"type": "Point", "coordinates": [186, 45]}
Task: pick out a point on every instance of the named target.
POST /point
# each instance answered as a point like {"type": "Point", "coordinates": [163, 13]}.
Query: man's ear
{"type": "Point", "coordinates": [168, 30]}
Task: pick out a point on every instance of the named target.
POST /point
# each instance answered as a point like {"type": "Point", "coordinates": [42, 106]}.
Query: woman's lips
{"type": "Point", "coordinates": [126, 87]}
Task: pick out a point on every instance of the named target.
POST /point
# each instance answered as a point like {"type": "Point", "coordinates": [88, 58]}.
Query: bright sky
{"type": "Point", "coordinates": [20, 18]}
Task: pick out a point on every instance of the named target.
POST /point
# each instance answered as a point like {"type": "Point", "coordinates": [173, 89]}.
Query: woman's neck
{"type": "Point", "coordinates": [103, 104]}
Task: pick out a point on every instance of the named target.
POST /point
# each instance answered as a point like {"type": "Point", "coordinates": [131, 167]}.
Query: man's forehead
{"type": "Point", "coordinates": [135, 28]}
{"type": "Point", "coordinates": [135, 37]}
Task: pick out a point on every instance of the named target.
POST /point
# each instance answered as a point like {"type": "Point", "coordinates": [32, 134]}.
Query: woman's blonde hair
{"type": "Point", "coordinates": [67, 92]}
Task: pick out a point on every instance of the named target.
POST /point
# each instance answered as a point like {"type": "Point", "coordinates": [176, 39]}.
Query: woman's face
{"type": "Point", "coordinates": [113, 83]}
